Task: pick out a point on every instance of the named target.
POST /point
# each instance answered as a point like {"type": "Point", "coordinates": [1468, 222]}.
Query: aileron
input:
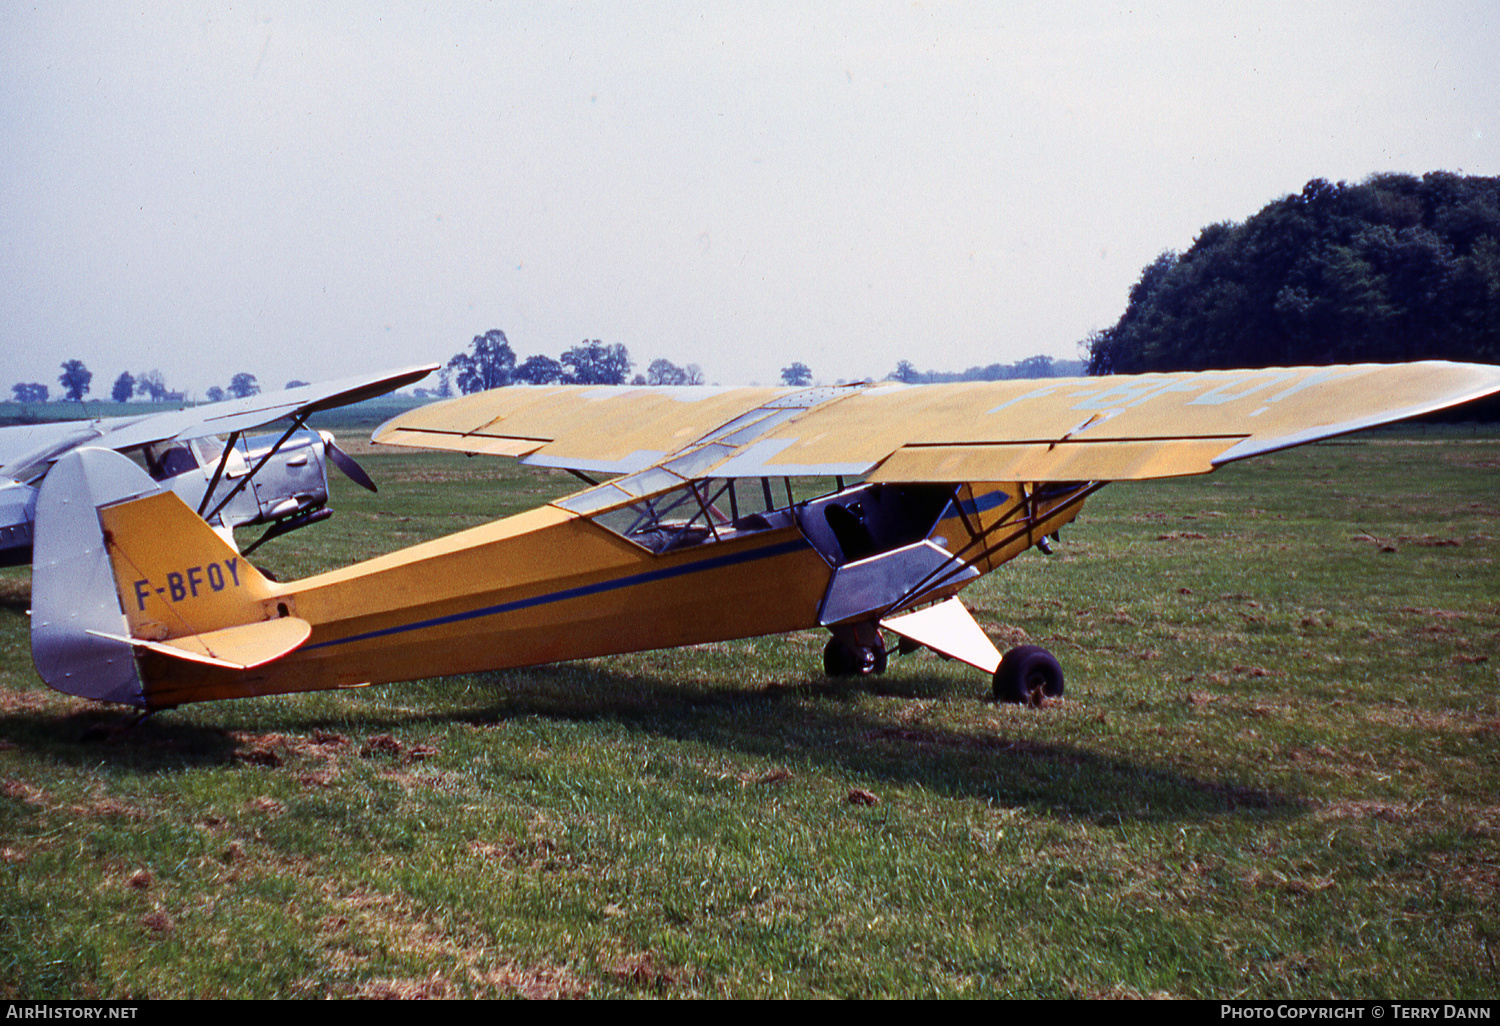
{"type": "Point", "coordinates": [1123, 460]}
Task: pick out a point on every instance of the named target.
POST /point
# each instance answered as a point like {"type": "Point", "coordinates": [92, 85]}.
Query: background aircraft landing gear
{"type": "Point", "coordinates": [843, 660]}
{"type": "Point", "coordinates": [1028, 675]}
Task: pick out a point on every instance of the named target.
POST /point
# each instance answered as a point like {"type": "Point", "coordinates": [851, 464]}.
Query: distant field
{"type": "Point", "coordinates": [1275, 774]}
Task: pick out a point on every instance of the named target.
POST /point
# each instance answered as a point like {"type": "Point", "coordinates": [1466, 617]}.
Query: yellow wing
{"type": "Point", "coordinates": [607, 429]}
{"type": "Point", "coordinates": [1060, 429]}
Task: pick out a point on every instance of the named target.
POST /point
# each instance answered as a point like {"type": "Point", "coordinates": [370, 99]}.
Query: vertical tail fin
{"type": "Point", "coordinates": [122, 565]}
{"type": "Point", "coordinates": [175, 575]}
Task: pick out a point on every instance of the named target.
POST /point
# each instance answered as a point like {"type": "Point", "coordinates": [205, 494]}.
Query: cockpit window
{"type": "Point", "coordinates": [694, 513]}
{"type": "Point", "coordinates": [166, 460]}
{"type": "Point", "coordinates": [174, 460]}
{"type": "Point", "coordinates": [208, 449]}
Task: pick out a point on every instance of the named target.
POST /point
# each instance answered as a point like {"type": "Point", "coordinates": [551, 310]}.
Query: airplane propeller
{"type": "Point", "coordinates": [341, 459]}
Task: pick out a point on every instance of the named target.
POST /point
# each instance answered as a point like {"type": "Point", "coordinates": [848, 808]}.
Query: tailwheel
{"type": "Point", "coordinates": [1028, 675]}
{"type": "Point", "coordinates": [843, 660]}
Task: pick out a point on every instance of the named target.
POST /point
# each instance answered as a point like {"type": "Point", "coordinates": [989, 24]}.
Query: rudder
{"type": "Point", "coordinates": [122, 564]}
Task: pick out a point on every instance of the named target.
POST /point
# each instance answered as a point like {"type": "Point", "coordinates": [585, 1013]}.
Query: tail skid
{"type": "Point", "coordinates": [124, 568]}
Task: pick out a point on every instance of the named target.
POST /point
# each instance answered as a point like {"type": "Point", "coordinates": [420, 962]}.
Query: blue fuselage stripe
{"type": "Point", "coordinates": [984, 503]}
{"type": "Point", "coordinates": [648, 577]}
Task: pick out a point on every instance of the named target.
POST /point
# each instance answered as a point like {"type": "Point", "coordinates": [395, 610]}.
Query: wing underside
{"type": "Point", "coordinates": [1067, 429]}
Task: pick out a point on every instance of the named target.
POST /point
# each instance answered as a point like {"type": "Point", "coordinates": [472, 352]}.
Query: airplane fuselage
{"type": "Point", "coordinates": [544, 586]}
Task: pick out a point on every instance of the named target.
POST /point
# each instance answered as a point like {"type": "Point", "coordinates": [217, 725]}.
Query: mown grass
{"type": "Point", "coordinates": [1274, 775]}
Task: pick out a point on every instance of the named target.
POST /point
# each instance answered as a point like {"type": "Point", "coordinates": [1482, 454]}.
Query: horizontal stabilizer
{"type": "Point", "coordinates": [948, 628]}
{"type": "Point", "coordinates": [233, 648]}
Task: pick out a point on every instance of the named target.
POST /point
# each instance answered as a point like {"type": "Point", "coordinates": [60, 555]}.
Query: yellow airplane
{"type": "Point", "coordinates": [695, 536]}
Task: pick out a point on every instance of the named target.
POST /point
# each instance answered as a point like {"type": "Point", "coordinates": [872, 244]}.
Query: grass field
{"type": "Point", "coordinates": [1275, 774]}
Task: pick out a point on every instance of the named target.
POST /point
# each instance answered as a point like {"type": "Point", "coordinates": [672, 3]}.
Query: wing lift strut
{"type": "Point", "coordinates": [285, 525]}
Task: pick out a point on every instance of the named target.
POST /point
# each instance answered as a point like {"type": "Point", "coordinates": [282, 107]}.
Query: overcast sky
{"type": "Point", "coordinates": [314, 190]}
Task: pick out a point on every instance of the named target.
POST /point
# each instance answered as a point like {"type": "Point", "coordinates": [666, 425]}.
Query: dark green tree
{"type": "Point", "coordinates": [124, 387]}
{"type": "Point", "coordinates": [798, 375]}
{"type": "Point", "coordinates": [75, 378]}
{"type": "Point", "coordinates": [538, 370]}
{"type": "Point", "coordinates": [905, 372]}
{"type": "Point", "coordinates": [594, 363]}
{"type": "Point", "coordinates": [665, 372]}
{"type": "Point", "coordinates": [488, 363]}
{"type": "Point", "coordinates": [1394, 268]}
{"type": "Point", "coordinates": [29, 392]}
{"type": "Point", "coordinates": [243, 385]}
{"type": "Point", "coordinates": [151, 383]}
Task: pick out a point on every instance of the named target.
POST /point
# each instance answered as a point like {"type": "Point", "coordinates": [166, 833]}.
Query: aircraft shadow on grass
{"type": "Point", "coordinates": [810, 722]}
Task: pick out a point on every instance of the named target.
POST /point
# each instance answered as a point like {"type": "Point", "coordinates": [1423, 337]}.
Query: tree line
{"type": "Point", "coordinates": [1394, 268]}
{"type": "Point", "coordinates": [76, 380]}
{"type": "Point", "coordinates": [490, 362]}
{"type": "Point", "coordinates": [1031, 367]}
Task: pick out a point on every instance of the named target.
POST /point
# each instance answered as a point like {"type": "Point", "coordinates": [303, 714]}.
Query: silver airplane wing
{"type": "Point", "coordinates": [28, 451]}
{"type": "Point", "coordinates": [28, 448]}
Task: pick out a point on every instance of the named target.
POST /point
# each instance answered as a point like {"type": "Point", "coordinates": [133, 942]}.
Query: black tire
{"type": "Point", "coordinates": [1027, 675]}
{"type": "Point", "coordinates": [838, 660]}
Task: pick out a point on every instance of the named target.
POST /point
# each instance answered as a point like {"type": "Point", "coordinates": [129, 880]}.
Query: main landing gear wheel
{"type": "Point", "coordinates": [1028, 675]}
{"type": "Point", "coordinates": [839, 660]}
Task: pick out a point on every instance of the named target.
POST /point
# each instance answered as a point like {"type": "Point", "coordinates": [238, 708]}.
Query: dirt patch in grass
{"type": "Point", "coordinates": [1385, 812]}
{"type": "Point", "coordinates": [12, 701]}
{"type": "Point", "coordinates": [1415, 717]}
{"type": "Point", "coordinates": [15, 593]}
{"type": "Point", "coordinates": [1433, 614]}
{"type": "Point", "coordinates": [24, 792]}
{"type": "Point", "coordinates": [265, 806]}
{"type": "Point", "coordinates": [1420, 541]}
{"type": "Point", "coordinates": [1004, 635]}
{"type": "Point", "coordinates": [1479, 878]}
{"type": "Point", "coordinates": [777, 775]}
{"type": "Point", "coordinates": [535, 983]}
{"type": "Point", "coordinates": [461, 969]}
{"type": "Point", "coordinates": [112, 808]}
{"type": "Point", "coordinates": [647, 971]}
{"type": "Point", "coordinates": [390, 745]}
{"type": "Point", "coordinates": [322, 749]}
